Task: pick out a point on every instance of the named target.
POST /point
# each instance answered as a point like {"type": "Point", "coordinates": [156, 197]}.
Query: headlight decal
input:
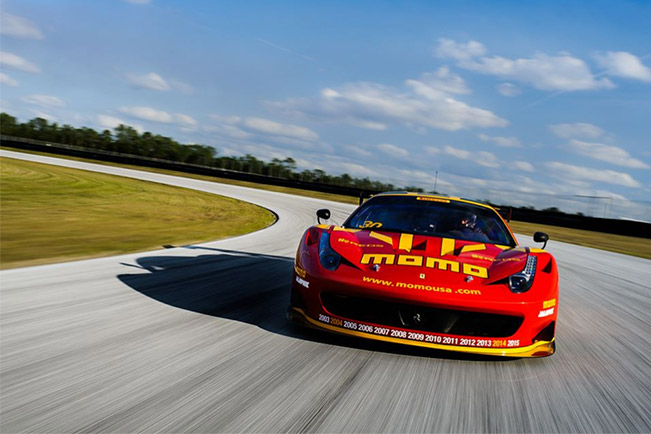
{"type": "Point", "coordinates": [522, 281]}
{"type": "Point", "coordinates": [329, 259]}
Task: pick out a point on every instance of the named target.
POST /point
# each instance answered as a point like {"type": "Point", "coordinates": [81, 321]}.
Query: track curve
{"type": "Point", "coordinates": [194, 339]}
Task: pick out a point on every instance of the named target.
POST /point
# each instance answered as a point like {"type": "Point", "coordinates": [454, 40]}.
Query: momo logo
{"type": "Point", "coordinates": [427, 262]}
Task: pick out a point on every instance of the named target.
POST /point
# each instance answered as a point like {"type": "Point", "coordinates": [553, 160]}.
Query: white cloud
{"type": "Point", "coordinates": [227, 119]}
{"type": "Point", "coordinates": [373, 106]}
{"type": "Point", "coordinates": [227, 126]}
{"type": "Point", "coordinates": [148, 114]}
{"type": "Point", "coordinates": [7, 81]}
{"type": "Point", "coordinates": [109, 122]}
{"type": "Point", "coordinates": [181, 87]}
{"type": "Point", "coordinates": [153, 115]}
{"type": "Point", "coordinates": [18, 27]}
{"type": "Point", "coordinates": [442, 80]}
{"type": "Point", "coordinates": [508, 89]}
{"type": "Point", "coordinates": [458, 153]}
{"type": "Point", "coordinates": [13, 61]}
{"type": "Point", "coordinates": [523, 166]}
{"type": "Point", "coordinates": [185, 120]}
{"type": "Point", "coordinates": [369, 125]}
{"type": "Point", "coordinates": [506, 142]}
{"type": "Point", "coordinates": [482, 158]}
{"type": "Point", "coordinates": [237, 129]}
{"type": "Point", "coordinates": [150, 81]}
{"type": "Point", "coordinates": [334, 164]}
{"type": "Point", "coordinates": [361, 152]}
{"type": "Point", "coordinates": [154, 81]}
{"type": "Point", "coordinates": [419, 177]}
{"type": "Point", "coordinates": [354, 169]}
{"type": "Point", "coordinates": [44, 101]}
{"type": "Point", "coordinates": [447, 48]}
{"type": "Point", "coordinates": [580, 129]}
{"type": "Point", "coordinates": [624, 64]}
{"type": "Point", "coordinates": [580, 173]}
{"type": "Point", "coordinates": [542, 71]}
{"type": "Point", "coordinates": [275, 128]}
{"type": "Point", "coordinates": [230, 131]}
{"type": "Point", "coordinates": [608, 153]}
{"type": "Point", "coordinates": [393, 151]}
{"type": "Point", "coordinates": [487, 159]}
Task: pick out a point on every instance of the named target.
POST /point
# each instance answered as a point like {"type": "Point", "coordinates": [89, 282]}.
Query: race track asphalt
{"type": "Point", "coordinates": [194, 339]}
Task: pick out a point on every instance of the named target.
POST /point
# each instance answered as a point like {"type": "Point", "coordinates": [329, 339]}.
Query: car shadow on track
{"type": "Point", "coordinates": [247, 287]}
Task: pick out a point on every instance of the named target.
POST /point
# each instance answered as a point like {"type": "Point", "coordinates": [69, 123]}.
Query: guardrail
{"type": "Point", "coordinates": [614, 226]}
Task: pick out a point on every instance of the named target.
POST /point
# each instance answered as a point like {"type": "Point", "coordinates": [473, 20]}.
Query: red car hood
{"type": "Point", "coordinates": [409, 256]}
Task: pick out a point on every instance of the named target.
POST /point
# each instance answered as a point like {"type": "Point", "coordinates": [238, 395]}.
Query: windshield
{"type": "Point", "coordinates": [424, 215]}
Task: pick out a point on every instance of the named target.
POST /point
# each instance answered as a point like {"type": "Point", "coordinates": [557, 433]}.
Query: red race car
{"type": "Point", "coordinates": [431, 271]}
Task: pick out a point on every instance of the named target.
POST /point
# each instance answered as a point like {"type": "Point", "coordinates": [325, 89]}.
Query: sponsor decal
{"type": "Point", "coordinates": [302, 273]}
{"type": "Point", "coordinates": [544, 313]}
{"type": "Point", "coordinates": [354, 243]}
{"type": "Point", "coordinates": [420, 287]}
{"type": "Point", "coordinates": [433, 338]}
{"type": "Point", "coordinates": [432, 199]}
{"type": "Point", "coordinates": [481, 257]}
{"type": "Point", "coordinates": [302, 282]}
{"type": "Point", "coordinates": [428, 262]}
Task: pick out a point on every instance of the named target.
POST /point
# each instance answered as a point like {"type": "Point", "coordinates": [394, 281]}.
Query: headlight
{"type": "Point", "coordinates": [522, 281]}
{"type": "Point", "coordinates": [329, 258]}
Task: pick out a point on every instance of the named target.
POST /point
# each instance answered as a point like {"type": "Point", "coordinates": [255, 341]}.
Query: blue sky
{"type": "Point", "coordinates": [528, 102]}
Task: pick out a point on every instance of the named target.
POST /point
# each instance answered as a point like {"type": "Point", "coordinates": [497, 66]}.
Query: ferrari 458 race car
{"type": "Point", "coordinates": [431, 271]}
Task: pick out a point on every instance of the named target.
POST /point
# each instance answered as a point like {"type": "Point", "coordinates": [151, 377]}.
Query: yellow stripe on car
{"type": "Point", "coordinates": [473, 248]}
{"type": "Point", "coordinates": [406, 241]}
{"type": "Point", "coordinates": [387, 239]}
{"type": "Point", "coordinates": [447, 246]}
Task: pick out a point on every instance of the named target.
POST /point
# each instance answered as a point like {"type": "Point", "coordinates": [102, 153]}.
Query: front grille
{"type": "Point", "coordinates": [422, 318]}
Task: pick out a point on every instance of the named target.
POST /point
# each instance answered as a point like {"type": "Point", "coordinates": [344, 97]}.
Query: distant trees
{"type": "Point", "coordinates": [127, 140]}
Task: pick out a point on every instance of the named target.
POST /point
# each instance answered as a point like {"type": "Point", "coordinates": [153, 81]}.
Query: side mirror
{"type": "Point", "coordinates": [541, 237]}
{"type": "Point", "coordinates": [322, 214]}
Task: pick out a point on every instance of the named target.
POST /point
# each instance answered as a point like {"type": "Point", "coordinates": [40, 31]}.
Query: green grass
{"type": "Point", "coordinates": [289, 190]}
{"type": "Point", "coordinates": [50, 214]}
{"type": "Point", "coordinates": [615, 243]}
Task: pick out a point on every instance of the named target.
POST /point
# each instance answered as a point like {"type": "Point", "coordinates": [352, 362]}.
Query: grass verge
{"type": "Point", "coordinates": [289, 190]}
{"type": "Point", "coordinates": [615, 243]}
{"type": "Point", "coordinates": [51, 214]}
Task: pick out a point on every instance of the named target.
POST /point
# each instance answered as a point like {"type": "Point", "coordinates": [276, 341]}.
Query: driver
{"type": "Point", "coordinates": [467, 229]}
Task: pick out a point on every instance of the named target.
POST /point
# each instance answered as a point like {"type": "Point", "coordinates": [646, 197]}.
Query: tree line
{"type": "Point", "coordinates": [127, 140]}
